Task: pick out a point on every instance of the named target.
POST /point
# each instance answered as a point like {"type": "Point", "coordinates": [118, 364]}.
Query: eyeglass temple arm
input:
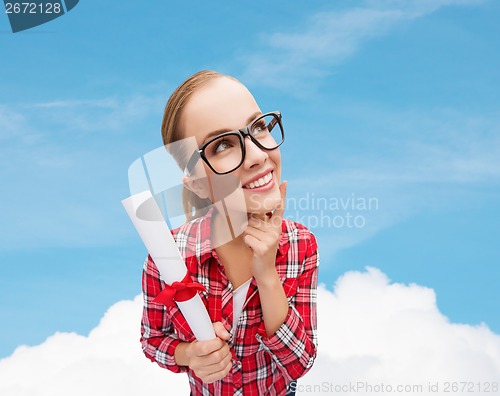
{"type": "Point", "coordinates": [274, 121]}
{"type": "Point", "coordinates": [188, 170]}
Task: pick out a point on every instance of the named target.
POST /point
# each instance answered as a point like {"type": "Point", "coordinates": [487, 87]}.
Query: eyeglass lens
{"type": "Point", "coordinates": [225, 153]}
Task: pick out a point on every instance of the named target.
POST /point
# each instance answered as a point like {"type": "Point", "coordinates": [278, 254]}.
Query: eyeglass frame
{"type": "Point", "coordinates": [242, 134]}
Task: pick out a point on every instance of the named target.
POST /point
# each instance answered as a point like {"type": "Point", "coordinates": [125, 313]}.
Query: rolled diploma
{"type": "Point", "coordinates": [154, 232]}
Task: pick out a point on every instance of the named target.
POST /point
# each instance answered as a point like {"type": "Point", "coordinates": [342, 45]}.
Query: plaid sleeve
{"type": "Point", "coordinates": [158, 337]}
{"type": "Point", "coordinates": [293, 346]}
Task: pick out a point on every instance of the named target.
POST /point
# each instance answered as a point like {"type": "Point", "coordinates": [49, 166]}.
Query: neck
{"type": "Point", "coordinates": [227, 229]}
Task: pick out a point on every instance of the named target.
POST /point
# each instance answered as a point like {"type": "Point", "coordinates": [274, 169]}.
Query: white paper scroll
{"type": "Point", "coordinates": [154, 232]}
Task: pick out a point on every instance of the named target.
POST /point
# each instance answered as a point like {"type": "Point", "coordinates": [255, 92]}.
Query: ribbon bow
{"type": "Point", "coordinates": [183, 290]}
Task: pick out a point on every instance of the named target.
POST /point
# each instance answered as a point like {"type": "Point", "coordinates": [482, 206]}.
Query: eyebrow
{"type": "Point", "coordinates": [224, 130]}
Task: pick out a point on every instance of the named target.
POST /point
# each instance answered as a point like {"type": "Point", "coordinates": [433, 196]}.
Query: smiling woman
{"type": "Point", "coordinates": [261, 284]}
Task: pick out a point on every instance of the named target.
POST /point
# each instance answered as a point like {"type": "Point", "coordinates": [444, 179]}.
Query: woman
{"type": "Point", "coordinates": [261, 285]}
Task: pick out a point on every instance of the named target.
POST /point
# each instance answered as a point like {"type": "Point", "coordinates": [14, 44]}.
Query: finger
{"type": "Point", "coordinates": [213, 359]}
{"type": "Point", "coordinates": [260, 234]}
{"type": "Point", "coordinates": [258, 216]}
{"type": "Point", "coordinates": [221, 331]}
{"type": "Point", "coordinates": [204, 348]}
{"type": "Point", "coordinates": [251, 242]}
{"type": "Point", "coordinates": [215, 372]}
{"type": "Point", "coordinates": [255, 245]}
{"type": "Point", "coordinates": [266, 223]}
{"type": "Point", "coordinates": [255, 221]}
{"type": "Point", "coordinates": [281, 208]}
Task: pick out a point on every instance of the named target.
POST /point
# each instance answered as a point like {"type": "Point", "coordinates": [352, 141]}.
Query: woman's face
{"type": "Point", "coordinates": [224, 105]}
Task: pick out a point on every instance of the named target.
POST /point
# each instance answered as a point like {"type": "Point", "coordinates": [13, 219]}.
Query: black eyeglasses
{"type": "Point", "coordinates": [226, 152]}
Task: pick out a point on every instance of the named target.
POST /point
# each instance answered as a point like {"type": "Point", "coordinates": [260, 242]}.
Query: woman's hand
{"type": "Point", "coordinates": [210, 360]}
{"type": "Point", "coordinates": [262, 237]}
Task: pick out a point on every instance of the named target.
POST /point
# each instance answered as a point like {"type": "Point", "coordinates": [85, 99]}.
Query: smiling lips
{"type": "Point", "coordinates": [262, 181]}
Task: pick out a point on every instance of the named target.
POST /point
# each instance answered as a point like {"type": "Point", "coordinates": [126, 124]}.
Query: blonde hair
{"type": "Point", "coordinates": [194, 206]}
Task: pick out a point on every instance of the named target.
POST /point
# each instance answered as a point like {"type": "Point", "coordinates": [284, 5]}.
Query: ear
{"type": "Point", "coordinates": [197, 185]}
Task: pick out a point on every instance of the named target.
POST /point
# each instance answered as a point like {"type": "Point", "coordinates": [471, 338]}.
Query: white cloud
{"type": "Point", "coordinates": [9, 122]}
{"type": "Point", "coordinates": [107, 362]}
{"type": "Point", "coordinates": [439, 145]}
{"type": "Point", "coordinates": [370, 331]}
{"type": "Point", "coordinates": [420, 7]}
{"type": "Point", "coordinates": [15, 126]}
{"type": "Point", "coordinates": [109, 114]}
{"type": "Point", "coordinates": [377, 332]}
{"type": "Point", "coordinates": [328, 38]}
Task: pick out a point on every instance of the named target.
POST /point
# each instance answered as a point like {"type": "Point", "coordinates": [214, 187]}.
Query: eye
{"type": "Point", "coordinates": [259, 128]}
{"type": "Point", "coordinates": [221, 145]}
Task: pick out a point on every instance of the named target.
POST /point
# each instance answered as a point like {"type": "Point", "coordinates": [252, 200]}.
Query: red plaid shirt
{"type": "Point", "coordinates": [261, 365]}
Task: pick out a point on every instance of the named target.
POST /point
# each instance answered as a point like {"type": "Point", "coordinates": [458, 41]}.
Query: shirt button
{"type": "Point", "coordinates": [236, 365]}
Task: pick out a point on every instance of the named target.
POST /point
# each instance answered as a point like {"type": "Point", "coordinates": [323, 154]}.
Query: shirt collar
{"type": "Point", "coordinates": [205, 250]}
{"type": "Point", "coordinates": [283, 243]}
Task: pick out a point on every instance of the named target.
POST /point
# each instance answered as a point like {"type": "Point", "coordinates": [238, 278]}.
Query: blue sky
{"type": "Point", "coordinates": [390, 100]}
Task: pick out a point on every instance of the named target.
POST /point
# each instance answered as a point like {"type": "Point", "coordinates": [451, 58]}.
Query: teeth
{"type": "Point", "coordinates": [260, 182]}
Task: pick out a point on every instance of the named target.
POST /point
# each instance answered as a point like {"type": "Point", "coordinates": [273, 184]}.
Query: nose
{"type": "Point", "coordinates": [254, 155]}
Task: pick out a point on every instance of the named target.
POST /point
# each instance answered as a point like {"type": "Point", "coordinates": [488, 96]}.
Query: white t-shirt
{"type": "Point", "coordinates": [239, 296]}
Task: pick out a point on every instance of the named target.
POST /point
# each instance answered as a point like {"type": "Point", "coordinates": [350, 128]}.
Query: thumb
{"type": "Point", "coordinates": [220, 331]}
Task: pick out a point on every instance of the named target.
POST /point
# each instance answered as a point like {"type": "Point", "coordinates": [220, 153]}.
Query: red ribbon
{"type": "Point", "coordinates": [184, 290]}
